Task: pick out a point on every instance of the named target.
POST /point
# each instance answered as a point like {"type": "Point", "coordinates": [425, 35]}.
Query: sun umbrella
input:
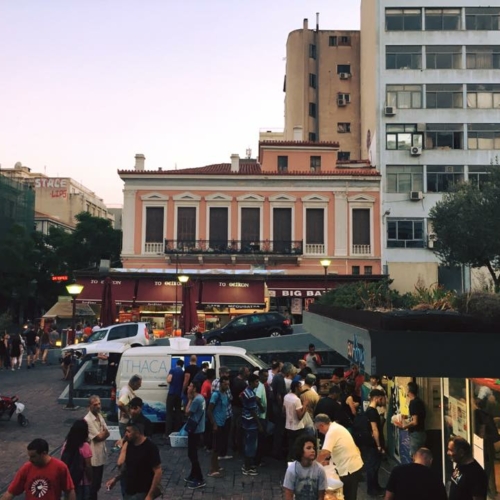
{"type": "Point", "coordinates": [107, 316]}
{"type": "Point", "coordinates": [189, 316]}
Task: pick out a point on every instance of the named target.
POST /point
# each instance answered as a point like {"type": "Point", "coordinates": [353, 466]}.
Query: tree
{"type": "Point", "coordinates": [467, 226]}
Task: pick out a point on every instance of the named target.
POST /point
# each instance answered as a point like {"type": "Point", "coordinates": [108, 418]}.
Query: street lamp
{"type": "Point", "coordinates": [183, 279]}
{"type": "Point", "coordinates": [325, 263]}
{"type": "Point", "coordinates": [74, 289]}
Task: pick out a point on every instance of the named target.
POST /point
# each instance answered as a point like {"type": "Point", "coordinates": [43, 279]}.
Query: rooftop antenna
{"type": "Point", "coordinates": [248, 152]}
{"type": "Point", "coordinates": [317, 21]}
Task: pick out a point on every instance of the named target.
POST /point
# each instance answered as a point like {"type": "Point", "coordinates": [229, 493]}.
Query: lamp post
{"type": "Point", "coordinates": [74, 290]}
{"type": "Point", "coordinates": [183, 279]}
{"type": "Point", "coordinates": [325, 263]}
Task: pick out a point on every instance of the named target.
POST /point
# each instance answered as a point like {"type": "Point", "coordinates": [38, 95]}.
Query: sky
{"type": "Point", "coordinates": [87, 84]}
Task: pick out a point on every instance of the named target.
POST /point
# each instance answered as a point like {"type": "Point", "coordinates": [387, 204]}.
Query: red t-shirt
{"type": "Point", "coordinates": [46, 483]}
{"type": "Point", "coordinates": [206, 390]}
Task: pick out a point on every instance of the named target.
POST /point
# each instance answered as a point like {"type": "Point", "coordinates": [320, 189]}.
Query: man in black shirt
{"type": "Point", "coordinates": [415, 481]}
{"type": "Point", "coordinates": [331, 406]}
{"type": "Point", "coordinates": [136, 416]}
{"type": "Point", "coordinates": [31, 339]}
{"type": "Point", "coordinates": [372, 453]}
{"type": "Point", "coordinates": [468, 480]}
{"type": "Point", "coordinates": [142, 470]}
{"type": "Point", "coordinates": [416, 423]}
{"type": "Point", "coordinates": [192, 369]}
{"type": "Point", "coordinates": [237, 385]}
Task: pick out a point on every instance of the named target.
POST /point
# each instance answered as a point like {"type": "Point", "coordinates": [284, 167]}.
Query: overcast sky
{"type": "Point", "coordinates": [87, 84]}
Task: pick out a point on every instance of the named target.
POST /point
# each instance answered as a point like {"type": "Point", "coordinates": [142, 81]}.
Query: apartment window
{"type": "Point", "coordinates": [403, 57]}
{"type": "Point", "coordinates": [483, 96]}
{"type": "Point", "coordinates": [403, 179]}
{"type": "Point", "coordinates": [312, 51]}
{"type": "Point", "coordinates": [361, 230]}
{"type": "Point", "coordinates": [343, 128]}
{"type": "Point", "coordinates": [403, 19]}
{"type": "Point", "coordinates": [312, 137]}
{"type": "Point", "coordinates": [442, 19]}
{"type": "Point", "coordinates": [344, 41]}
{"type": "Point", "coordinates": [312, 109]}
{"type": "Point", "coordinates": [315, 163]}
{"type": "Point", "coordinates": [483, 135]}
{"type": "Point", "coordinates": [441, 179]}
{"type": "Point", "coordinates": [332, 41]}
{"type": "Point", "coordinates": [250, 226]}
{"type": "Point", "coordinates": [343, 68]}
{"type": "Point", "coordinates": [478, 175]}
{"type": "Point", "coordinates": [282, 164]}
{"type": "Point", "coordinates": [282, 230]}
{"type": "Point", "coordinates": [345, 97]}
{"type": "Point", "coordinates": [483, 57]}
{"type": "Point", "coordinates": [312, 80]}
{"type": "Point", "coordinates": [403, 136]}
{"type": "Point", "coordinates": [343, 156]}
{"type": "Point", "coordinates": [405, 233]}
{"type": "Point", "coordinates": [315, 226]}
{"type": "Point", "coordinates": [444, 136]}
{"type": "Point", "coordinates": [355, 270]}
{"type": "Point", "coordinates": [443, 57]}
{"type": "Point", "coordinates": [186, 224]}
{"type": "Point", "coordinates": [154, 224]}
{"type": "Point", "coordinates": [444, 96]}
{"type": "Point", "coordinates": [218, 229]}
{"type": "Point", "coordinates": [368, 270]}
{"type": "Point", "coordinates": [404, 96]}
{"type": "Point", "coordinates": [482, 18]}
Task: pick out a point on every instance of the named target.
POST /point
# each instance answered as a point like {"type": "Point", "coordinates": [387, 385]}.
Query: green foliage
{"type": "Point", "coordinates": [467, 226]}
{"type": "Point", "coordinates": [433, 297]}
{"type": "Point", "coordinates": [367, 295]}
{"type": "Point", "coordinates": [483, 305]}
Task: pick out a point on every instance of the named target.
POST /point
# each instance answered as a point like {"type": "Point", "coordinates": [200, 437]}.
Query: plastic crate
{"type": "Point", "coordinates": [178, 441]}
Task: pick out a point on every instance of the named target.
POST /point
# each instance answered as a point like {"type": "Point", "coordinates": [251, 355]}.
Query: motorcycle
{"type": "Point", "coordinates": [11, 405]}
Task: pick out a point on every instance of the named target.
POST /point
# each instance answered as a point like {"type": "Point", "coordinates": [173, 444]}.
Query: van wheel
{"type": "Point", "coordinates": [214, 341]}
{"type": "Point", "coordinates": [275, 333]}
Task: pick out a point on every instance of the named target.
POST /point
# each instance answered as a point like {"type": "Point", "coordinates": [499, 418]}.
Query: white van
{"type": "Point", "coordinates": [154, 362]}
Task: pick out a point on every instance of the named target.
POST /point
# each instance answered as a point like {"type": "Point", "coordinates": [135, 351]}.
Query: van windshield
{"type": "Point", "coordinates": [257, 360]}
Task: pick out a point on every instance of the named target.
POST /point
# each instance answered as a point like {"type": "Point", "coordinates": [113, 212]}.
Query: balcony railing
{"type": "Point", "coordinates": [155, 248]}
{"type": "Point", "coordinates": [315, 249]}
{"type": "Point", "coordinates": [361, 249]}
{"type": "Point", "coordinates": [232, 247]}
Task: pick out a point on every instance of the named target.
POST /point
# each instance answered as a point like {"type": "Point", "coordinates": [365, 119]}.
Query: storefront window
{"type": "Point", "coordinates": [485, 425]}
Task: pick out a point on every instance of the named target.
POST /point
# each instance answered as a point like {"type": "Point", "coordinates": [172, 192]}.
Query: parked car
{"type": "Point", "coordinates": [135, 334]}
{"type": "Point", "coordinates": [250, 326]}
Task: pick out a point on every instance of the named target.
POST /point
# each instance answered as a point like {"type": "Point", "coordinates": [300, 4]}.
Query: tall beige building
{"type": "Point", "coordinates": [322, 86]}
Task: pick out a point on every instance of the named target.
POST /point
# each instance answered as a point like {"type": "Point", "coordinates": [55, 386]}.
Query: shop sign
{"type": "Point", "coordinates": [356, 353]}
{"type": "Point", "coordinates": [296, 307]}
{"type": "Point", "coordinates": [295, 293]}
{"type": "Point", "coordinates": [43, 182]}
{"type": "Point", "coordinates": [237, 306]}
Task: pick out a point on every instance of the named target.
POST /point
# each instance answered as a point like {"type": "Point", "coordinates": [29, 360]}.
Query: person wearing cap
{"type": "Point", "coordinates": [313, 359]}
{"type": "Point", "coordinates": [137, 417]}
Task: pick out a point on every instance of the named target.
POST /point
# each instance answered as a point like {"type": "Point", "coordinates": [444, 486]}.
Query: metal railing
{"type": "Point", "coordinates": [361, 249]}
{"type": "Point", "coordinates": [231, 247]}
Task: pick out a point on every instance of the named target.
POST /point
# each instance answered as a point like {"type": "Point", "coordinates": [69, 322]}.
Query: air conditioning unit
{"type": "Point", "coordinates": [341, 102]}
{"type": "Point", "coordinates": [430, 243]}
{"type": "Point", "coordinates": [344, 76]}
{"type": "Point", "coordinates": [421, 127]}
{"type": "Point", "coordinates": [416, 195]}
{"type": "Point", "coordinates": [415, 151]}
{"type": "Point", "coordinates": [389, 111]}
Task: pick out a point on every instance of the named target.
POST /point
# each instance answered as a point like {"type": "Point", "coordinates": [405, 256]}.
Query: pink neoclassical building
{"type": "Point", "coordinates": [250, 233]}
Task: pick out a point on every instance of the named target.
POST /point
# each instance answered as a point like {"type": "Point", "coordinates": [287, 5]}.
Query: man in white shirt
{"type": "Point", "coordinates": [294, 411]}
{"type": "Point", "coordinates": [339, 448]}
{"type": "Point", "coordinates": [127, 393]}
{"type": "Point", "coordinates": [98, 433]}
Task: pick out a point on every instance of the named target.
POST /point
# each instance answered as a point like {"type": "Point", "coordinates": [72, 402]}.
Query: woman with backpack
{"type": "Point", "coordinates": [76, 454]}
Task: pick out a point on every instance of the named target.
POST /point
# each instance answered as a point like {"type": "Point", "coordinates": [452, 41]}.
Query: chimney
{"type": "Point", "coordinates": [139, 161]}
{"type": "Point", "coordinates": [305, 25]}
{"type": "Point", "coordinates": [235, 163]}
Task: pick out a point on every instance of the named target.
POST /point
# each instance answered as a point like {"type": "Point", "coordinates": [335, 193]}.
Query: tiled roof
{"type": "Point", "coordinates": [320, 144]}
{"type": "Point", "coordinates": [251, 169]}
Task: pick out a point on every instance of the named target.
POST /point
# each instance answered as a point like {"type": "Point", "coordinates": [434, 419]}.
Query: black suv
{"type": "Point", "coordinates": [251, 326]}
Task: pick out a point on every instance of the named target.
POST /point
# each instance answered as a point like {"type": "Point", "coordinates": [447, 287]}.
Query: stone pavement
{"type": "Point", "coordinates": [39, 389]}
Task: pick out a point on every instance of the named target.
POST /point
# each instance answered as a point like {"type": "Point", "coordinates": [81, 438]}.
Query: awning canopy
{"type": "Point", "coordinates": [235, 293]}
{"type": "Point", "coordinates": [65, 310]}
{"type": "Point", "coordinates": [122, 290]}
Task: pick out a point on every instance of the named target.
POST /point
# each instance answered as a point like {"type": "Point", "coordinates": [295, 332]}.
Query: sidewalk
{"type": "Point", "coordinates": [39, 389]}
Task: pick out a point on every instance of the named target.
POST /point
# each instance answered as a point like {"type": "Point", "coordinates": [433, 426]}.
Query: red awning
{"type": "Point", "coordinates": [235, 293]}
{"type": "Point", "coordinates": [122, 290]}
{"type": "Point", "coordinates": [158, 291]}
{"type": "Point", "coordinates": [297, 288]}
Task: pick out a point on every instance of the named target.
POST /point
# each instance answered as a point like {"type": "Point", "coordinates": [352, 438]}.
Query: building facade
{"type": "Point", "coordinates": [249, 232]}
{"type": "Point", "coordinates": [60, 198]}
{"type": "Point", "coordinates": [430, 117]}
{"type": "Point", "coordinates": [322, 89]}
{"type": "Point", "coordinates": [17, 205]}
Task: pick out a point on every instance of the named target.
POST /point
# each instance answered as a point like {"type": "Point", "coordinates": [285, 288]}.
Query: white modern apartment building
{"type": "Point", "coordinates": [430, 92]}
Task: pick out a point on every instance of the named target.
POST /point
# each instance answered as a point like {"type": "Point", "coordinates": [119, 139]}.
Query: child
{"type": "Point", "coordinates": [305, 478]}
